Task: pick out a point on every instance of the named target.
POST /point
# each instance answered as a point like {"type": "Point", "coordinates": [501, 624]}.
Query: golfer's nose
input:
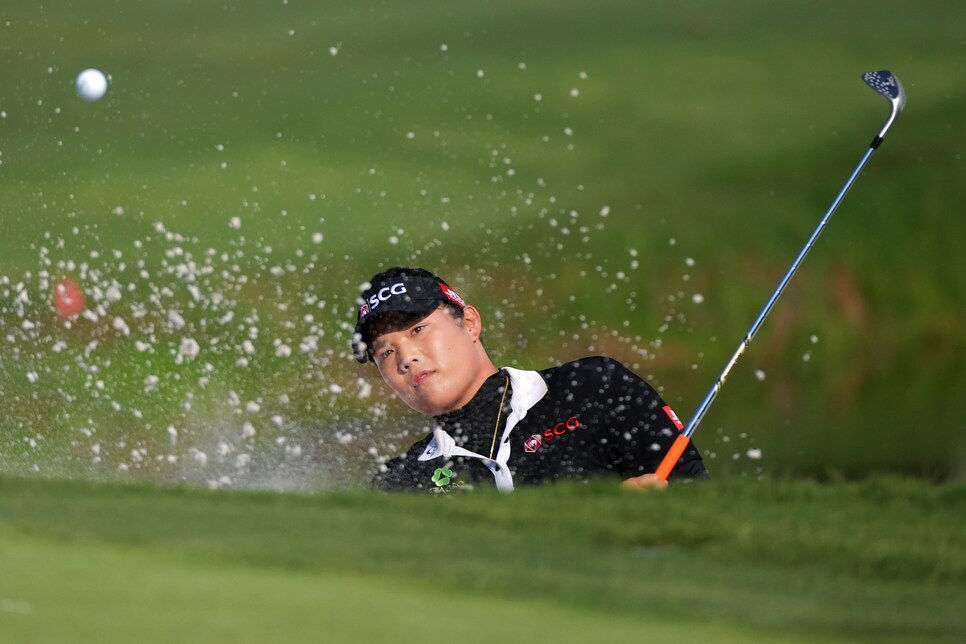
{"type": "Point", "coordinates": [407, 355]}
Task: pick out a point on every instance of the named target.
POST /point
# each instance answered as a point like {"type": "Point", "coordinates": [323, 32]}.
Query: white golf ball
{"type": "Point", "coordinates": [91, 84]}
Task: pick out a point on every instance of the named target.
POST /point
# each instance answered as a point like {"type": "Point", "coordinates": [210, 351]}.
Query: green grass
{"type": "Point", "coordinates": [762, 560]}
{"type": "Point", "coordinates": [723, 128]}
{"type": "Point", "coordinates": [715, 133]}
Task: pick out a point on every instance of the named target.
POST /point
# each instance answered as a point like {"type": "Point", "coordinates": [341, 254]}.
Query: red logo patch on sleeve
{"type": "Point", "coordinates": [674, 417]}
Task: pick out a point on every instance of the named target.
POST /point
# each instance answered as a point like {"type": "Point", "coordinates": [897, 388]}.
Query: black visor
{"type": "Point", "coordinates": [401, 294]}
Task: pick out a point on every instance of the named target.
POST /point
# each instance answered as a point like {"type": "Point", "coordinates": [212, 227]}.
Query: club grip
{"type": "Point", "coordinates": [672, 456]}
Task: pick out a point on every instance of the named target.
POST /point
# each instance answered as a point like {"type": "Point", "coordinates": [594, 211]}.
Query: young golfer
{"type": "Point", "coordinates": [508, 427]}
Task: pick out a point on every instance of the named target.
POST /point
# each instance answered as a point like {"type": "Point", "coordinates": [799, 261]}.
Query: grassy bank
{"type": "Point", "coordinates": [617, 178]}
{"type": "Point", "coordinates": [766, 560]}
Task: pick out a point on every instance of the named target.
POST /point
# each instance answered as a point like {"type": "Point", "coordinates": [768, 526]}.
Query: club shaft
{"type": "Point", "coordinates": [684, 438]}
{"type": "Point", "coordinates": [888, 86]}
{"type": "Point", "coordinates": [709, 398]}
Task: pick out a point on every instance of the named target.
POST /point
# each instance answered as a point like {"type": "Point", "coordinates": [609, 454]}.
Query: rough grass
{"type": "Point", "coordinates": [771, 560]}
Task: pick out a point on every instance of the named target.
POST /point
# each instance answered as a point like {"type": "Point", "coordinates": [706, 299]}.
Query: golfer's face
{"type": "Point", "coordinates": [433, 365]}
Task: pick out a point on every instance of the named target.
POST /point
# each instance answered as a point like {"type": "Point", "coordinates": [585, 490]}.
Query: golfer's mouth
{"type": "Point", "coordinates": [421, 377]}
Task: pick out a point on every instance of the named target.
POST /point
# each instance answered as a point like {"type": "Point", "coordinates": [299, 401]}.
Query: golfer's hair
{"type": "Point", "coordinates": [455, 311]}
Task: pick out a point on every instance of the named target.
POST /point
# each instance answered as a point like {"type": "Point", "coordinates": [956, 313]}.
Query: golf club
{"type": "Point", "coordinates": [885, 83]}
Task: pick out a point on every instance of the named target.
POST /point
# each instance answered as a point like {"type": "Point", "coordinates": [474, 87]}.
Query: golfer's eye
{"type": "Point", "coordinates": [419, 328]}
{"type": "Point", "coordinates": [385, 353]}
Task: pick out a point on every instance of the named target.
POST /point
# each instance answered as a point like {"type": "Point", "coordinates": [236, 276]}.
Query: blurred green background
{"type": "Point", "coordinates": [627, 178]}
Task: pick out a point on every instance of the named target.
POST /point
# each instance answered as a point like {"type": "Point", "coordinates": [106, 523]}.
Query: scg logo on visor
{"type": "Point", "coordinates": [381, 296]}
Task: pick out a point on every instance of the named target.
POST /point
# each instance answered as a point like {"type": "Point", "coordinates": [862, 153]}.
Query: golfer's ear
{"type": "Point", "coordinates": [472, 322]}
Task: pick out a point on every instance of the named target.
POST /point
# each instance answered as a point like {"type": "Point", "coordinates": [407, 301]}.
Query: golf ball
{"type": "Point", "coordinates": [91, 84]}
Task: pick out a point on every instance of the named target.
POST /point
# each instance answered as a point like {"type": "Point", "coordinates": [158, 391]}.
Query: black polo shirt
{"type": "Point", "coordinates": [597, 419]}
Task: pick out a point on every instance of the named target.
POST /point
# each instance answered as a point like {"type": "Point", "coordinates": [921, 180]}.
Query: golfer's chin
{"type": "Point", "coordinates": [429, 409]}
{"type": "Point", "coordinates": [431, 403]}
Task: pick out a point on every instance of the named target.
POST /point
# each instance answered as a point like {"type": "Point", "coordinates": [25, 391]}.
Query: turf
{"type": "Point", "coordinates": [712, 135]}
{"type": "Point", "coordinates": [584, 171]}
{"type": "Point", "coordinates": [763, 560]}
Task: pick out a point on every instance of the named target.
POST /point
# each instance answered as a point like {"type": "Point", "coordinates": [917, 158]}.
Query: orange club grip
{"type": "Point", "coordinates": [672, 456]}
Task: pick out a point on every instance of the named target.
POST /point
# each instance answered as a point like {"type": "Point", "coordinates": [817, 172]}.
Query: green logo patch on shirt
{"type": "Point", "coordinates": [442, 476]}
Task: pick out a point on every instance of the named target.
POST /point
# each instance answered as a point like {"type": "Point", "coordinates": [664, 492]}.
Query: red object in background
{"type": "Point", "coordinates": [68, 298]}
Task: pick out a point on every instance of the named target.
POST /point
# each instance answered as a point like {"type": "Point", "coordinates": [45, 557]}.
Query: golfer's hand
{"type": "Point", "coordinates": [644, 482]}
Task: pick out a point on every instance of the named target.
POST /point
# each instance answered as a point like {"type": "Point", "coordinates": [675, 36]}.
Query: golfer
{"type": "Point", "coordinates": [504, 427]}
